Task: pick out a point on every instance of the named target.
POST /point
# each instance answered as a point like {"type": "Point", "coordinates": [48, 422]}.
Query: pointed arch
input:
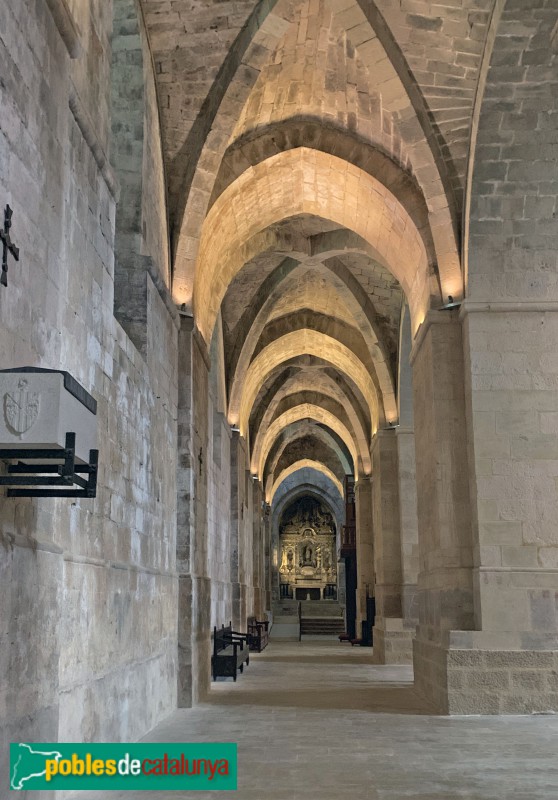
{"type": "Point", "coordinates": [302, 386]}
{"type": "Point", "coordinates": [274, 287]}
{"type": "Point", "coordinates": [298, 466]}
{"type": "Point", "coordinates": [301, 343]}
{"type": "Point", "coordinates": [266, 439]}
{"type": "Point", "coordinates": [307, 181]}
{"type": "Point", "coordinates": [210, 134]}
{"type": "Point", "coordinates": [302, 430]}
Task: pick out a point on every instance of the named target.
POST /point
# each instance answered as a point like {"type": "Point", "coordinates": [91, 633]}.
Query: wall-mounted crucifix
{"type": "Point", "coordinates": [7, 245]}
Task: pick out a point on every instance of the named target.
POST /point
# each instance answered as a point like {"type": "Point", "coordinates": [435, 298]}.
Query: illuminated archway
{"type": "Point", "coordinates": [350, 291]}
{"type": "Point", "coordinates": [301, 465]}
{"type": "Point", "coordinates": [298, 343]}
{"type": "Point", "coordinates": [265, 441]}
{"type": "Point", "coordinates": [304, 181]}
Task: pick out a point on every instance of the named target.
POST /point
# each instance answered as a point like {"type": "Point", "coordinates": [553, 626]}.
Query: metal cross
{"type": "Point", "coordinates": [7, 245]}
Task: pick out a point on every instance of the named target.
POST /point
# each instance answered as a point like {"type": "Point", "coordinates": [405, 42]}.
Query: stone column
{"type": "Point", "coordinates": [443, 501]}
{"type": "Point", "coordinates": [194, 585]}
{"type": "Point", "coordinates": [408, 519]}
{"type": "Point", "coordinates": [509, 664]}
{"type": "Point", "coordinates": [248, 589]}
{"type": "Point", "coordinates": [267, 556]}
{"type": "Point", "coordinates": [364, 546]}
{"type": "Point", "coordinates": [237, 475]}
{"type": "Point", "coordinates": [257, 548]}
{"type": "Point", "coordinates": [341, 585]}
{"type": "Point", "coordinates": [409, 529]}
{"type": "Point", "coordinates": [392, 634]}
{"type": "Point", "coordinates": [275, 548]}
{"type": "Point", "coordinates": [241, 532]}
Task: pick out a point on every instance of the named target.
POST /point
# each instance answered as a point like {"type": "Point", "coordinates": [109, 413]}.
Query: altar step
{"type": "Point", "coordinates": [319, 618]}
{"type": "Point", "coordinates": [321, 608]}
{"type": "Point", "coordinates": [322, 626]}
{"type": "Point", "coordinates": [309, 608]}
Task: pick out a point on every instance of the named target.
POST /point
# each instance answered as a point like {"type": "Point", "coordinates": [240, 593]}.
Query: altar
{"type": "Point", "coordinates": [308, 593]}
{"type": "Point", "coordinates": [308, 569]}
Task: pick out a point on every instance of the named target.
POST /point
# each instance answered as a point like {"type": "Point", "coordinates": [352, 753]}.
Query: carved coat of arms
{"type": "Point", "coordinates": [21, 408]}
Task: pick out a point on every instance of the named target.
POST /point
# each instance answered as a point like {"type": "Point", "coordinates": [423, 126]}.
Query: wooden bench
{"type": "Point", "coordinates": [230, 652]}
{"type": "Point", "coordinates": [258, 634]}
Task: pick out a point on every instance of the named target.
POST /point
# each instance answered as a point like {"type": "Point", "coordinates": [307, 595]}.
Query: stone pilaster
{"type": "Point", "coordinates": [237, 513]}
{"type": "Point", "coordinates": [275, 551]}
{"type": "Point", "coordinates": [443, 501]}
{"type": "Point", "coordinates": [242, 533]}
{"type": "Point", "coordinates": [257, 549]}
{"type": "Point", "coordinates": [408, 520]}
{"type": "Point", "coordinates": [406, 456]}
{"type": "Point", "coordinates": [392, 633]}
{"type": "Point", "coordinates": [364, 546]}
{"type": "Point", "coordinates": [509, 663]}
{"type": "Point", "coordinates": [247, 544]}
{"type": "Point", "coordinates": [194, 595]}
{"type": "Point", "coordinates": [267, 556]}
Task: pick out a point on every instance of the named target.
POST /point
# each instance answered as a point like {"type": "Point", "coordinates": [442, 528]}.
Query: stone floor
{"type": "Point", "coordinates": [317, 721]}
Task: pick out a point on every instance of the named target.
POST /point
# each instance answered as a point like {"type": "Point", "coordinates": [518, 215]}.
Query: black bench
{"type": "Point", "coordinates": [230, 652]}
{"type": "Point", "coordinates": [258, 634]}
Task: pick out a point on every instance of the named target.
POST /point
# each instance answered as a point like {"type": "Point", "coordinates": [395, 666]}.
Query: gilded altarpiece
{"type": "Point", "coordinates": [307, 541]}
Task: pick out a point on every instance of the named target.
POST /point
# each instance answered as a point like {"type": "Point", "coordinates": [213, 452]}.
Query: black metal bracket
{"type": "Point", "coordinates": [65, 474]}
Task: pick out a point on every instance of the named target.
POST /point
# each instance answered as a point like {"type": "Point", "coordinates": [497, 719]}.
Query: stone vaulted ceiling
{"type": "Point", "coordinates": [316, 155]}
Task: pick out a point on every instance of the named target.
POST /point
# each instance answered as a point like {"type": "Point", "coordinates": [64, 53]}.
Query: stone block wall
{"type": "Point", "coordinates": [88, 626]}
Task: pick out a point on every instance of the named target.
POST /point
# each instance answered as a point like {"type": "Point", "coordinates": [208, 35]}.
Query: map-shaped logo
{"type": "Point", "coordinates": [30, 763]}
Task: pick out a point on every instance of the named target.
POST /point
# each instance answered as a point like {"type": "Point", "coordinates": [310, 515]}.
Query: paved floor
{"type": "Point", "coordinates": [318, 721]}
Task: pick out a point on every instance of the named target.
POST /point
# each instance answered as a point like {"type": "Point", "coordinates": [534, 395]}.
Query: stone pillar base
{"type": "Point", "coordinates": [393, 641]}
{"type": "Point", "coordinates": [480, 672]}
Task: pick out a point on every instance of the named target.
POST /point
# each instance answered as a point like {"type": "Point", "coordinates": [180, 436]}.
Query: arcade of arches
{"type": "Point", "coordinates": [303, 254]}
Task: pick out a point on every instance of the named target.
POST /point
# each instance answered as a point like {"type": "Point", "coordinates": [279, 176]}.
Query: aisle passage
{"type": "Point", "coordinates": [318, 721]}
